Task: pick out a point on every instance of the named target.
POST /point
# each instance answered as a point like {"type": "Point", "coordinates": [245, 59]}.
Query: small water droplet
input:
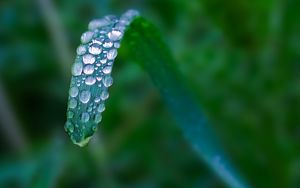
{"type": "Point", "coordinates": [72, 103]}
{"type": "Point", "coordinates": [81, 50]}
{"type": "Point", "coordinates": [95, 127]}
{"type": "Point", "coordinates": [117, 45]}
{"type": "Point", "coordinates": [101, 107]}
{"type": "Point", "coordinates": [90, 109]}
{"type": "Point", "coordinates": [70, 114]}
{"type": "Point", "coordinates": [103, 61]}
{"type": "Point", "coordinates": [107, 44]}
{"type": "Point", "coordinates": [90, 80]}
{"type": "Point", "coordinates": [115, 35]}
{"type": "Point", "coordinates": [85, 117]}
{"type": "Point", "coordinates": [76, 69]}
{"type": "Point", "coordinates": [95, 49]}
{"type": "Point", "coordinates": [104, 95]}
{"type": "Point", "coordinates": [97, 118]}
{"type": "Point", "coordinates": [107, 81]}
{"type": "Point", "coordinates": [107, 70]}
{"type": "Point", "coordinates": [112, 54]}
{"type": "Point", "coordinates": [97, 99]}
{"type": "Point", "coordinates": [88, 59]}
{"type": "Point", "coordinates": [95, 24]}
{"type": "Point", "coordinates": [88, 69]}
{"type": "Point", "coordinates": [86, 37]}
{"type": "Point", "coordinates": [85, 96]}
{"type": "Point", "coordinates": [73, 92]}
{"type": "Point", "coordinates": [99, 78]}
{"type": "Point", "coordinates": [69, 127]}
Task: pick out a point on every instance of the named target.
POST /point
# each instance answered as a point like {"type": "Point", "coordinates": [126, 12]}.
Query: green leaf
{"type": "Point", "coordinates": [147, 47]}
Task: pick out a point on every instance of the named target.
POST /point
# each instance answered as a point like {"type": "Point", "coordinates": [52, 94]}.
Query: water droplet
{"type": "Point", "coordinates": [107, 70]}
{"type": "Point", "coordinates": [85, 96]}
{"type": "Point", "coordinates": [104, 95]}
{"type": "Point", "coordinates": [95, 127]}
{"type": "Point", "coordinates": [88, 59]}
{"type": "Point", "coordinates": [69, 127]}
{"type": "Point", "coordinates": [101, 107]}
{"type": "Point", "coordinates": [99, 78]}
{"type": "Point", "coordinates": [115, 35]}
{"type": "Point", "coordinates": [90, 109]}
{"type": "Point", "coordinates": [97, 118]}
{"type": "Point", "coordinates": [72, 103]}
{"type": "Point", "coordinates": [90, 80]}
{"type": "Point", "coordinates": [117, 45]}
{"type": "Point", "coordinates": [107, 81]}
{"type": "Point", "coordinates": [95, 49]}
{"type": "Point", "coordinates": [77, 69]}
{"type": "Point", "coordinates": [73, 92]}
{"type": "Point", "coordinates": [103, 61]}
{"type": "Point", "coordinates": [95, 24]}
{"type": "Point", "coordinates": [85, 117]}
{"type": "Point", "coordinates": [97, 99]}
{"type": "Point", "coordinates": [88, 69]}
{"type": "Point", "coordinates": [107, 44]}
{"type": "Point", "coordinates": [70, 114]}
{"type": "Point", "coordinates": [81, 50]}
{"type": "Point", "coordinates": [112, 54]}
{"type": "Point", "coordinates": [86, 37]}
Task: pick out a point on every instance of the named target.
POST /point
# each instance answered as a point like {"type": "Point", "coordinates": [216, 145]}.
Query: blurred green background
{"type": "Point", "coordinates": [240, 58]}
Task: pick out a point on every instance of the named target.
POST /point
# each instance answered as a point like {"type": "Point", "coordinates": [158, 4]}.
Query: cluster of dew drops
{"type": "Point", "coordinates": [92, 69]}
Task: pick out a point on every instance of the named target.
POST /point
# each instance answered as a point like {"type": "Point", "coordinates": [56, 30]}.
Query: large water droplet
{"type": "Point", "coordinates": [72, 103]}
{"type": "Point", "coordinates": [95, 49]}
{"type": "Point", "coordinates": [112, 54]}
{"type": "Point", "coordinates": [115, 35]}
{"type": "Point", "coordinates": [107, 70]}
{"type": "Point", "coordinates": [85, 96]}
{"type": "Point", "coordinates": [73, 92]}
{"type": "Point", "coordinates": [86, 37]}
{"type": "Point", "coordinates": [104, 95]}
{"type": "Point", "coordinates": [97, 118]}
{"type": "Point", "coordinates": [77, 69]}
{"type": "Point", "coordinates": [88, 59]}
{"type": "Point", "coordinates": [88, 69]}
{"type": "Point", "coordinates": [81, 50]}
{"type": "Point", "coordinates": [85, 117]}
{"type": "Point", "coordinates": [101, 107]}
{"type": "Point", "coordinates": [107, 81]}
{"type": "Point", "coordinates": [95, 24]}
{"type": "Point", "coordinates": [90, 80]}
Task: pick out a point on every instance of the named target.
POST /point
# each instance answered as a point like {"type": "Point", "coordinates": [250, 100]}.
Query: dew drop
{"type": "Point", "coordinates": [85, 117]}
{"type": "Point", "coordinates": [77, 69]}
{"type": "Point", "coordinates": [97, 118]}
{"type": "Point", "coordinates": [97, 99]}
{"type": "Point", "coordinates": [70, 114]}
{"type": "Point", "coordinates": [112, 54]}
{"type": "Point", "coordinates": [99, 78]}
{"type": "Point", "coordinates": [90, 80]}
{"type": "Point", "coordinates": [115, 35]}
{"type": "Point", "coordinates": [103, 61]}
{"type": "Point", "coordinates": [107, 70]}
{"type": "Point", "coordinates": [90, 109]}
{"type": "Point", "coordinates": [69, 127]}
{"type": "Point", "coordinates": [88, 59]}
{"type": "Point", "coordinates": [86, 37]}
{"type": "Point", "coordinates": [73, 92]}
{"type": "Point", "coordinates": [72, 103]}
{"type": "Point", "coordinates": [95, 49]}
{"type": "Point", "coordinates": [117, 45]}
{"type": "Point", "coordinates": [88, 69]}
{"type": "Point", "coordinates": [101, 107]}
{"type": "Point", "coordinates": [107, 81]}
{"type": "Point", "coordinates": [95, 24]}
{"type": "Point", "coordinates": [95, 127]}
{"type": "Point", "coordinates": [107, 44]}
{"type": "Point", "coordinates": [104, 95]}
{"type": "Point", "coordinates": [81, 50]}
{"type": "Point", "coordinates": [85, 96]}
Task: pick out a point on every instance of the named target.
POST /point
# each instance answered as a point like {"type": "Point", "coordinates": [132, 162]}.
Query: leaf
{"type": "Point", "coordinates": [146, 46]}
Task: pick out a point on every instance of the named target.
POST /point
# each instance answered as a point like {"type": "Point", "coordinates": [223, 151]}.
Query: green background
{"type": "Point", "coordinates": [240, 59]}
